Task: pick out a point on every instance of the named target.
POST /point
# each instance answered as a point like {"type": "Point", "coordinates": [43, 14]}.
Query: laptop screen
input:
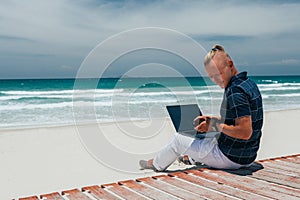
{"type": "Point", "coordinates": [183, 116]}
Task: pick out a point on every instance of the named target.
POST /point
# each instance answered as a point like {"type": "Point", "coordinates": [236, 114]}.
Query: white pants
{"type": "Point", "coordinates": [205, 151]}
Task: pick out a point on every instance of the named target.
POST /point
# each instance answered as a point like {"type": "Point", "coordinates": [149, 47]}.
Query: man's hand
{"type": "Point", "coordinates": [203, 124]}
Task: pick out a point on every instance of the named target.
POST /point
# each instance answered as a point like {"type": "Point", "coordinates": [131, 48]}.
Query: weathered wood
{"type": "Point", "coordinates": [75, 194]}
{"type": "Point", "coordinates": [202, 191]}
{"type": "Point", "coordinates": [217, 186]}
{"type": "Point", "coordinates": [286, 163]}
{"type": "Point", "coordinates": [170, 189]}
{"type": "Point", "coordinates": [280, 167]}
{"type": "Point", "coordinates": [149, 192]}
{"type": "Point", "coordinates": [99, 193]}
{"type": "Point", "coordinates": [292, 160]}
{"type": "Point", "coordinates": [241, 182]}
{"type": "Point", "coordinates": [261, 185]}
{"type": "Point", "coordinates": [29, 198]}
{"type": "Point", "coordinates": [274, 188]}
{"type": "Point", "coordinates": [279, 178]}
{"type": "Point", "coordinates": [51, 196]}
{"type": "Point", "coordinates": [123, 191]}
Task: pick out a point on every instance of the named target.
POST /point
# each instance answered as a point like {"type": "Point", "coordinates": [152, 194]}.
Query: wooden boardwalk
{"type": "Point", "coordinates": [277, 178]}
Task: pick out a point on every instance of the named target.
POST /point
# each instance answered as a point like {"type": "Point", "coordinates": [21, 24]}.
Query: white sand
{"type": "Point", "coordinates": [44, 160]}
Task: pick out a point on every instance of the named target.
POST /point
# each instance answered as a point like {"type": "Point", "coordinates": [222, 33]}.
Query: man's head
{"type": "Point", "coordinates": [219, 66]}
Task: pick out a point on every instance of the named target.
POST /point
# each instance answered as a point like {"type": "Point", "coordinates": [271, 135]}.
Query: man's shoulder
{"type": "Point", "coordinates": [245, 85]}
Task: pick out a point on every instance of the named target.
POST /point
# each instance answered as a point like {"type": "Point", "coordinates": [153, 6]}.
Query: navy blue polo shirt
{"type": "Point", "coordinates": [241, 98]}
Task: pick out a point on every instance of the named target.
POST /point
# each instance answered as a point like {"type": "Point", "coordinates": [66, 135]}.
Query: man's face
{"type": "Point", "coordinates": [219, 71]}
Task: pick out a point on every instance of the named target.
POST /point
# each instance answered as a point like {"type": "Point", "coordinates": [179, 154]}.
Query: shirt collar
{"type": "Point", "coordinates": [242, 75]}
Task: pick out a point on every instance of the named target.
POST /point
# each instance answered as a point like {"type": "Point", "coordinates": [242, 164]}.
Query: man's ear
{"type": "Point", "coordinates": [230, 63]}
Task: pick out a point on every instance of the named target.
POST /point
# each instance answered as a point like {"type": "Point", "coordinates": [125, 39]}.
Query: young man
{"type": "Point", "coordinates": [239, 125]}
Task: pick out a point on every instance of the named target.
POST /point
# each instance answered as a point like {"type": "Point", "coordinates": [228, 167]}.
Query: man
{"type": "Point", "coordinates": [239, 125]}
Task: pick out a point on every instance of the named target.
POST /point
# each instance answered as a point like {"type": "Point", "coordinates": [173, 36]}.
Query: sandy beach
{"type": "Point", "coordinates": [44, 160]}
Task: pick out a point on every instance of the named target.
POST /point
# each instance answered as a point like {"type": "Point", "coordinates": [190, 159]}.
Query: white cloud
{"type": "Point", "coordinates": [72, 28]}
{"type": "Point", "coordinates": [283, 62]}
{"type": "Point", "coordinates": [69, 22]}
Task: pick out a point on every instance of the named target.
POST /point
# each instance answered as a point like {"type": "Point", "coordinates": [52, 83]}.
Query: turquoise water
{"type": "Point", "coordinates": [32, 103]}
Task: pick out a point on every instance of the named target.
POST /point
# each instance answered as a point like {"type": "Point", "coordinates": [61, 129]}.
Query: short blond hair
{"type": "Point", "coordinates": [210, 55]}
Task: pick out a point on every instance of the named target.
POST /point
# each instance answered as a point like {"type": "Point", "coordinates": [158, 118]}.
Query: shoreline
{"type": "Point", "coordinates": [63, 125]}
{"type": "Point", "coordinates": [74, 124]}
{"type": "Point", "coordinates": [47, 159]}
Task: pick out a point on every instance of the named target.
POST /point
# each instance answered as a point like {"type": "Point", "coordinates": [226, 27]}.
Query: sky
{"type": "Point", "coordinates": [52, 38]}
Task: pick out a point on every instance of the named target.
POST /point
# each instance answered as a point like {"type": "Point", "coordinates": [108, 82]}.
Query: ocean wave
{"type": "Point", "coordinates": [150, 102]}
{"type": "Point", "coordinates": [169, 93]}
{"type": "Point", "coordinates": [279, 88]}
{"type": "Point", "coordinates": [270, 81]}
{"type": "Point", "coordinates": [278, 85]}
{"type": "Point", "coordinates": [23, 106]}
{"type": "Point", "coordinates": [98, 93]}
{"type": "Point", "coordinates": [63, 94]}
{"type": "Point", "coordinates": [41, 97]}
{"type": "Point", "coordinates": [35, 106]}
{"type": "Point", "coordinates": [36, 93]}
{"type": "Point", "coordinates": [266, 96]}
{"type": "Point", "coordinates": [58, 92]}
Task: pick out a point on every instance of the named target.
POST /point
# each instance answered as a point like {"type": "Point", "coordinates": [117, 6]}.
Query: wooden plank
{"type": "Point", "coordinates": [99, 193]}
{"type": "Point", "coordinates": [123, 191]}
{"type": "Point", "coordinates": [294, 156]}
{"type": "Point", "coordinates": [297, 159]}
{"type": "Point", "coordinates": [29, 198]}
{"type": "Point", "coordinates": [280, 179]}
{"type": "Point", "coordinates": [271, 188]}
{"type": "Point", "coordinates": [149, 192]}
{"type": "Point", "coordinates": [52, 196]}
{"type": "Point", "coordinates": [287, 190]}
{"type": "Point", "coordinates": [280, 171]}
{"type": "Point", "coordinates": [286, 180]}
{"type": "Point", "coordinates": [291, 160]}
{"type": "Point", "coordinates": [172, 190]}
{"type": "Point", "coordinates": [189, 186]}
{"type": "Point", "coordinates": [214, 185]}
{"type": "Point", "coordinates": [286, 163]}
{"type": "Point", "coordinates": [241, 182]}
{"type": "Point", "coordinates": [75, 194]}
{"type": "Point", "coordinates": [280, 167]}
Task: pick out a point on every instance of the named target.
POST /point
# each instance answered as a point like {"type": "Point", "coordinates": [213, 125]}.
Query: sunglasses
{"type": "Point", "coordinates": [215, 49]}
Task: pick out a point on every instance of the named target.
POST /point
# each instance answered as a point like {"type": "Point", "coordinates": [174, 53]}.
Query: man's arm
{"type": "Point", "coordinates": [241, 130]}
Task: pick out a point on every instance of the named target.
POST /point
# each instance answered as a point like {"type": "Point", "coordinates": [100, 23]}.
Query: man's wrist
{"type": "Point", "coordinates": [219, 127]}
{"type": "Point", "coordinates": [214, 122]}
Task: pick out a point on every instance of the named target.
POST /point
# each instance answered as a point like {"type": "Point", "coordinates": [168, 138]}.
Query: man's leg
{"type": "Point", "coordinates": [199, 150]}
{"type": "Point", "coordinates": [207, 151]}
{"type": "Point", "coordinates": [177, 146]}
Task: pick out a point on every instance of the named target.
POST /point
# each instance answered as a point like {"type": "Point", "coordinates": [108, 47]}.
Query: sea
{"type": "Point", "coordinates": [54, 102]}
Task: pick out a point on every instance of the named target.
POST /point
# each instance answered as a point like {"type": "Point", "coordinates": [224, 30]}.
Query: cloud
{"type": "Point", "coordinates": [13, 38]}
{"type": "Point", "coordinates": [70, 21]}
{"type": "Point", "coordinates": [70, 29]}
{"type": "Point", "coordinates": [221, 38]}
{"type": "Point", "coordinates": [283, 62]}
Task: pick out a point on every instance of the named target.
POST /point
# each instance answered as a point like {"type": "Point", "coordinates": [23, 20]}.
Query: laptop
{"type": "Point", "coordinates": [182, 117]}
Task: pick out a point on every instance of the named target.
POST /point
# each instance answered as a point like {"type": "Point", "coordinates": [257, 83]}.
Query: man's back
{"type": "Point", "coordinates": [241, 98]}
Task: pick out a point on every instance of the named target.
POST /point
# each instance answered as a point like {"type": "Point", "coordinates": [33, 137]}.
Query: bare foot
{"type": "Point", "coordinates": [144, 164]}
